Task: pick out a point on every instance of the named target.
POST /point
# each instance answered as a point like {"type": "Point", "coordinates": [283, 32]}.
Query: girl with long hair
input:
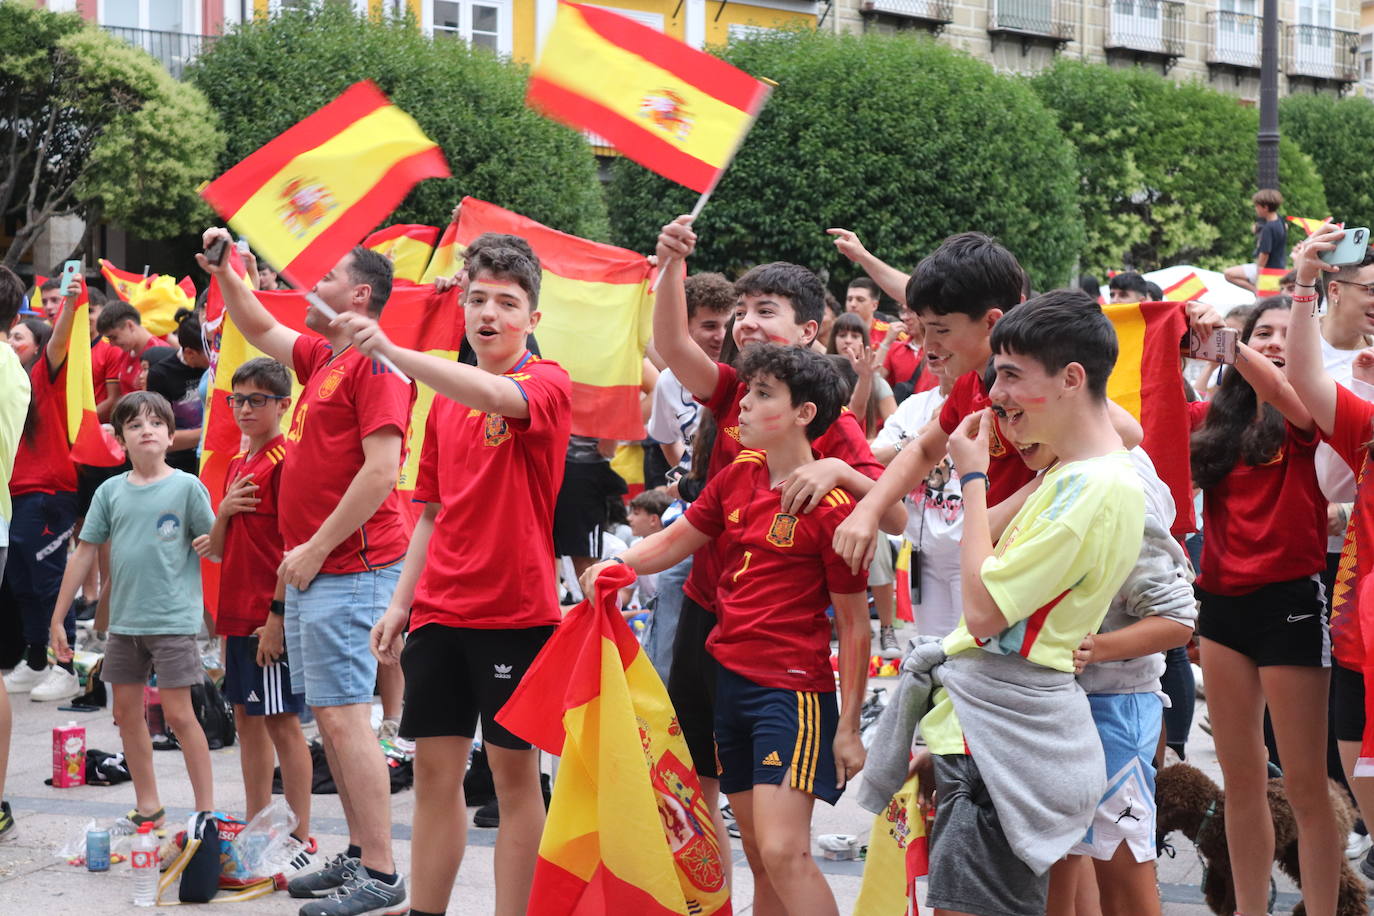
{"type": "Point", "coordinates": [871, 397]}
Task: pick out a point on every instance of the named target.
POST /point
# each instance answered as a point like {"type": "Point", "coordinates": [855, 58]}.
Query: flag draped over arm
{"type": "Point", "coordinates": [628, 830]}
{"type": "Point", "coordinates": [91, 443]}
{"type": "Point", "coordinates": [673, 109]}
{"type": "Point", "coordinates": [1148, 383]}
{"type": "Point", "coordinates": [408, 247]}
{"type": "Point", "coordinates": [597, 316]}
{"type": "Point", "coordinates": [313, 192]}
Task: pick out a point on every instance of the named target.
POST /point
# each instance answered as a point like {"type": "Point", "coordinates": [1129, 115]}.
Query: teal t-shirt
{"type": "Point", "coordinates": [154, 572]}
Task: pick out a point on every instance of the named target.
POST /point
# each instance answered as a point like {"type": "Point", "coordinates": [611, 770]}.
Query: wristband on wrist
{"type": "Point", "coordinates": [970, 477]}
{"type": "Point", "coordinates": [278, 608]}
{"type": "Point", "coordinates": [1312, 298]}
{"type": "Point", "coordinates": [1306, 285]}
{"type": "Point", "coordinates": [617, 560]}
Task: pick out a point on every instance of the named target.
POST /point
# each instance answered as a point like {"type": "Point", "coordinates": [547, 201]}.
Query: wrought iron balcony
{"type": "Point", "coordinates": [1149, 27]}
{"type": "Point", "coordinates": [174, 49]}
{"type": "Point", "coordinates": [1234, 40]}
{"type": "Point", "coordinates": [931, 12]}
{"type": "Point", "coordinates": [1319, 53]}
{"type": "Point", "coordinates": [1032, 19]}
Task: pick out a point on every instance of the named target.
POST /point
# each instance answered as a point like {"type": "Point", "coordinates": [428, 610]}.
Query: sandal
{"type": "Point", "coordinates": [130, 822]}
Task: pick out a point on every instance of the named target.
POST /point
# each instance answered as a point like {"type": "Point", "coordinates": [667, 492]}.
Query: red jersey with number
{"type": "Point", "coordinates": [1264, 523]}
{"type": "Point", "coordinates": [1007, 473]}
{"type": "Point", "coordinates": [491, 563]}
{"type": "Point", "coordinates": [901, 362]}
{"type": "Point", "coordinates": [779, 573]}
{"type": "Point", "coordinates": [346, 397]}
{"type": "Point", "coordinates": [844, 440]}
{"type": "Point", "coordinates": [43, 462]}
{"type": "Point", "coordinates": [1354, 428]}
{"type": "Point", "coordinates": [252, 544]}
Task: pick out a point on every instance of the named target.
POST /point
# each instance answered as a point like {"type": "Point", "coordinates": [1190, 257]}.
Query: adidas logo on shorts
{"type": "Point", "coordinates": [253, 697]}
{"type": "Point", "coordinates": [772, 760]}
{"type": "Point", "coordinates": [503, 671]}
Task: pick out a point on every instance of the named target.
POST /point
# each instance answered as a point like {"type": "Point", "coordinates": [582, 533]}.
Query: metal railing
{"type": "Point", "coordinates": [174, 49]}
{"type": "Point", "coordinates": [940, 11]}
{"type": "Point", "coordinates": [1318, 52]}
{"type": "Point", "coordinates": [1235, 39]}
{"type": "Point", "coordinates": [1034, 18]}
{"type": "Point", "coordinates": [1149, 26]}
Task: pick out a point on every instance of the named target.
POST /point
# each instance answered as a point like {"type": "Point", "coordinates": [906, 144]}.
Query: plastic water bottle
{"type": "Point", "coordinates": [143, 859]}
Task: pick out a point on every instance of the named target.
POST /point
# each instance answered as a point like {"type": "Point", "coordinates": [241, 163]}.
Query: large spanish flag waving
{"type": "Point", "coordinates": [597, 316]}
{"type": "Point", "coordinates": [662, 103]}
{"type": "Point", "coordinates": [316, 190]}
{"type": "Point", "coordinates": [408, 247]}
{"type": "Point", "coordinates": [628, 830]}
{"type": "Point", "coordinates": [1148, 383]}
{"type": "Point", "coordinates": [123, 283]}
{"type": "Point", "coordinates": [90, 442]}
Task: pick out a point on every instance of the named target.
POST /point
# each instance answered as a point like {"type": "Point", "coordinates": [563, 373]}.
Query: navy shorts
{"type": "Point", "coordinates": [260, 691]}
{"type": "Point", "coordinates": [765, 735]}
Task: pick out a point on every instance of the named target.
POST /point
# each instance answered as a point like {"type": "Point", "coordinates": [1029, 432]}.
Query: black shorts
{"type": "Point", "coordinates": [1283, 623]}
{"type": "Point", "coordinates": [768, 735]}
{"type": "Point", "coordinates": [579, 515]}
{"type": "Point", "coordinates": [1347, 703]}
{"type": "Point", "coordinates": [692, 686]}
{"type": "Point", "coordinates": [88, 480]}
{"type": "Point", "coordinates": [456, 675]}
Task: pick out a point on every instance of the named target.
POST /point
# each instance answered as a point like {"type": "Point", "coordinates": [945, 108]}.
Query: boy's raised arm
{"type": "Point", "coordinates": [696, 371]}
{"type": "Point", "coordinates": [252, 318]}
{"type": "Point", "coordinates": [1303, 366]}
{"type": "Point", "coordinates": [655, 553]}
{"type": "Point", "coordinates": [891, 280]}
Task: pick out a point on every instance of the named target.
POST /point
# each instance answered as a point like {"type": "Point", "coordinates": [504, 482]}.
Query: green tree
{"type": "Point", "coordinates": [94, 128]}
{"type": "Point", "coordinates": [1338, 133]}
{"type": "Point", "coordinates": [268, 74]}
{"type": "Point", "coordinates": [900, 139]}
{"type": "Point", "coordinates": [1167, 168]}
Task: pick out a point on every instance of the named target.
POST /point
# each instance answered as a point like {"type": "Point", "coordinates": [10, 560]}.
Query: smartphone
{"type": "Point", "coordinates": [242, 246]}
{"type": "Point", "coordinates": [215, 253]}
{"type": "Point", "coordinates": [70, 271]}
{"type": "Point", "coordinates": [1349, 250]}
{"type": "Point", "coordinates": [1217, 347]}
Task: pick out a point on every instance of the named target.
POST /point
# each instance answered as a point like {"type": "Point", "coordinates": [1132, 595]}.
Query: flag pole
{"type": "Point", "coordinates": [313, 298]}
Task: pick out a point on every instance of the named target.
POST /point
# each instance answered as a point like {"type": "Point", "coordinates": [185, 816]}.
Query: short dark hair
{"type": "Point", "coordinates": [1060, 327]}
{"type": "Point", "coordinates": [801, 287]}
{"type": "Point", "coordinates": [709, 291]}
{"type": "Point", "coordinates": [808, 376]}
{"type": "Point", "coordinates": [654, 502]}
{"type": "Point", "coordinates": [264, 372]}
{"type": "Point", "coordinates": [511, 264]}
{"type": "Point", "coordinates": [95, 297]}
{"type": "Point", "coordinates": [188, 330]}
{"type": "Point", "coordinates": [867, 283]}
{"type": "Point", "coordinates": [116, 313]}
{"type": "Point", "coordinates": [1130, 281]}
{"type": "Point", "coordinates": [1090, 285]}
{"type": "Point", "coordinates": [969, 274]}
{"type": "Point", "coordinates": [373, 269]}
{"type": "Point", "coordinates": [50, 284]}
{"type": "Point", "coordinates": [1349, 270]}
{"type": "Point", "coordinates": [1153, 291]}
{"type": "Point", "coordinates": [11, 297]}
{"type": "Point", "coordinates": [136, 403]}
{"type": "Point", "coordinates": [498, 240]}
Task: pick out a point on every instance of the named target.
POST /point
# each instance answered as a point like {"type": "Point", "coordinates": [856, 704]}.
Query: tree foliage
{"type": "Point", "coordinates": [1167, 168]}
{"type": "Point", "coordinates": [270, 73]}
{"type": "Point", "coordinates": [1338, 134]}
{"type": "Point", "coordinates": [92, 127]}
{"type": "Point", "coordinates": [900, 139]}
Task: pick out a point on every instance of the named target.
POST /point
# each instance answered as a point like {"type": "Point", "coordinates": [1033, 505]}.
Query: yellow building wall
{"type": "Point", "coordinates": [523, 31]}
{"type": "Point", "coordinates": [1366, 15]}
{"type": "Point", "coordinates": [718, 29]}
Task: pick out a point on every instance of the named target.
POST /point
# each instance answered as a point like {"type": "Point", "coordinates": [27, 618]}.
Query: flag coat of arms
{"type": "Point", "coordinates": [673, 109]}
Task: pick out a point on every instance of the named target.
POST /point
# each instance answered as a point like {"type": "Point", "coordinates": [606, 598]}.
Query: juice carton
{"type": "Point", "coordinates": [152, 712]}
{"type": "Point", "coordinates": [69, 755]}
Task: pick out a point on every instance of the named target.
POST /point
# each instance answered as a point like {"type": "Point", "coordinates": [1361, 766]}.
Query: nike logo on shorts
{"type": "Point", "coordinates": [1295, 618]}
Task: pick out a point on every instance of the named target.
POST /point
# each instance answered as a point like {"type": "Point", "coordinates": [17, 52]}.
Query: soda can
{"type": "Point", "coordinates": [97, 850]}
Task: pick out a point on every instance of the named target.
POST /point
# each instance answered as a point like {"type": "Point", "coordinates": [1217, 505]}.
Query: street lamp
{"type": "Point", "coordinates": [1269, 97]}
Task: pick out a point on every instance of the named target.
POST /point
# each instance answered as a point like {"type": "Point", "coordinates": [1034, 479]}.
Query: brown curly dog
{"type": "Point", "coordinates": [1191, 803]}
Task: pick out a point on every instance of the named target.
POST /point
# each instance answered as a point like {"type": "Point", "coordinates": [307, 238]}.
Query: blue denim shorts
{"type": "Point", "coordinates": [328, 628]}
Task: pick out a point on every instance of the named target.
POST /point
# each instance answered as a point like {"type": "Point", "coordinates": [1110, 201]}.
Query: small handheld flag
{"type": "Point", "coordinates": [1187, 288]}
{"type": "Point", "coordinates": [1307, 224]}
{"type": "Point", "coordinates": [1268, 284]}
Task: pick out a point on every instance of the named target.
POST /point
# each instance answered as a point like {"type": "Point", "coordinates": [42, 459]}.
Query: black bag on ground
{"type": "Point", "coordinates": [213, 712]}
{"type": "Point", "coordinates": [401, 773]}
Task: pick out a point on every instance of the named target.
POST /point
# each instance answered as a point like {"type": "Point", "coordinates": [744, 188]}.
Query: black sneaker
{"type": "Point", "coordinates": [1367, 865]}
{"type": "Point", "coordinates": [335, 874]}
{"type": "Point", "coordinates": [487, 816]}
{"type": "Point", "coordinates": [7, 829]}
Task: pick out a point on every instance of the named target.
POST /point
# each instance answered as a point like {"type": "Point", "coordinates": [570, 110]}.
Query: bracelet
{"type": "Point", "coordinates": [617, 560]}
{"type": "Point", "coordinates": [966, 479]}
{"type": "Point", "coordinates": [1312, 298]}
{"type": "Point", "coordinates": [1306, 285]}
{"type": "Point", "coordinates": [278, 608]}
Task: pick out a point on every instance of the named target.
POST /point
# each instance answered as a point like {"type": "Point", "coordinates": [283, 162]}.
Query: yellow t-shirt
{"type": "Point", "coordinates": [1055, 571]}
{"type": "Point", "coordinates": [14, 408]}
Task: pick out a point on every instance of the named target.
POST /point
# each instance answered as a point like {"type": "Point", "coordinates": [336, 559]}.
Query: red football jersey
{"type": "Point", "coordinates": [779, 572]}
{"type": "Point", "coordinates": [490, 563]}
{"type": "Point", "coordinates": [1007, 473]}
{"type": "Point", "coordinates": [43, 462]}
{"type": "Point", "coordinates": [106, 362]}
{"type": "Point", "coordinates": [346, 398]}
{"type": "Point", "coordinates": [844, 440]}
{"type": "Point", "coordinates": [1350, 438]}
{"type": "Point", "coordinates": [130, 363]}
{"type": "Point", "coordinates": [1265, 523]}
{"type": "Point", "coordinates": [878, 334]}
{"type": "Point", "coordinates": [901, 361]}
{"type": "Point", "coordinates": [252, 544]}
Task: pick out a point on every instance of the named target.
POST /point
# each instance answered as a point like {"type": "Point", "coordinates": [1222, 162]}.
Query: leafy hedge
{"type": "Point", "coordinates": [1338, 134]}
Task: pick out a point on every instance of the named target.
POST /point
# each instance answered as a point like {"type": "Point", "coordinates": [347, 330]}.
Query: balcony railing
{"type": "Point", "coordinates": [1235, 39]}
{"type": "Point", "coordinates": [1146, 27]}
{"type": "Point", "coordinates": [174, 49]}
{"type": "Point", "coordinates": [1317, 52]}
{"type": "Point", "coordinates": [938, 12]}
{"type": "Point", "coordinates": [1050, 19]}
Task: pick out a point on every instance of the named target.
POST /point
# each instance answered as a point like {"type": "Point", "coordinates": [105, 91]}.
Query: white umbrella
{"type": "Point", "coordinates": [1222, 294]}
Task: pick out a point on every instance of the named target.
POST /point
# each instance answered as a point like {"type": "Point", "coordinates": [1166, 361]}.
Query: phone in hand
{"type": "Point", "coordinates": [70, 271]}
{"type": "Point", "coordinates": [1217, 347]}
{"type": "Point", "coordinates": [1349, 250]}
{"type": "Point", "coordinates": [218, 248]}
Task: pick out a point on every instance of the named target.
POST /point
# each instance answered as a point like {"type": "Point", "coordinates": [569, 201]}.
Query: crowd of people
{"type": "Point", "coordinates": [794, 441]}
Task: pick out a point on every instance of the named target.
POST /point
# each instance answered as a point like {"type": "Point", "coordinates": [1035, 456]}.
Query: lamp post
{"type": "Point", "coordinates": [1269, 97]}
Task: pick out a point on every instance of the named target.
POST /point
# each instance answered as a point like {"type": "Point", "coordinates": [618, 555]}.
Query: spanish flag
{"type": "Point", "coordinates": [1189, 287]}
{"type": "Point", "coordinates": [597, 316]}
{"type": "Point", "coordinates": [1268, 284]}
{"type": "Point", "coordinates": [447, 257]}
{"type": "Point", "coordinates": [158, 302]}
{"type": "Point", "coordinates": [123, 283]}
{"type": "Point", "coordinates": [309, 195]}
{"type": "Point", "coordinates": [628, 830]}
{"type": "Point", "coordinates": [408, 247]}
{"type": "Point", "coordinates": [36, 296]}
{"type": "Point", "coordinates": [897, 856]}
{"type": "Point", "coordinates": [671, 108]}
{"type": "Point", "coordinates": [1148, 383]}
{"type": "Point", "coordinates": [1307, 224]}
{"type": "Point", "coordinates": [902, 572]}
{"type": "Point", "coordinates": [91, 443]}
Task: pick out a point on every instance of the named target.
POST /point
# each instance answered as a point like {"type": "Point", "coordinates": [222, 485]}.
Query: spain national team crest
{"type": "Point", "coordinates": [781, 533]}
{"type": "Point", "coordinates": [995, 447]}
{"type": "Point", "coordinates": [667, 111]}
{"type": "Point", "coordinates": [494, 430]}
{"type": "Point", "coordinates": [303, 204]}
{"type": "Point", "coordinates": [331, 382]}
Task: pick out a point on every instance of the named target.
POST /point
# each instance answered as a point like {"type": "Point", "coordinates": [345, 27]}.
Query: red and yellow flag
{"type": "Point", "coordinates": [897, 856]}
{"type": "Point", "coordinates": [36, 295]}
{"type": "Point", "coordinates": [1148, 383]}
{"type": "Point", "coordinates": [447, 257]}
{"type": "Point", "coordinates": [1307, 224]}
{"type": "Point", "coordinates": [1269, 278]}
{"type": "Point", "coordinates": [628, 830]}
{"type": "Point", "coordinates": [673, 109]}
{"type": "Point", "coordinates": [123, 283]}
{"type": "Point", "coordinates": [597, 316]}
{"type": "Point", "coordinates": [90, 442]}
{"type": "Point", "coordinates": [1190, 286]}
{"type": "Point", "coordinates": [310, 194]}
{"type": "Point", "coordinates": [902, 573]}
{"type": "Point", "coordinates": [408, 247]}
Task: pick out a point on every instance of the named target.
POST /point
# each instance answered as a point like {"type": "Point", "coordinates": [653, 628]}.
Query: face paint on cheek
{"type": "Point", "coordinates": [774, 338]}
{"type": "Point", "coordinates": [514, 327]}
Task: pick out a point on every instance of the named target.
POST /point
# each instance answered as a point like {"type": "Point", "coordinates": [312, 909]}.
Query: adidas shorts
{"type": "Point", "coordinates": [768, 735]}
{"type": "Point", "coordinates": [1129, 725]}
{"type": "Point", "coordinates": [261, 691]}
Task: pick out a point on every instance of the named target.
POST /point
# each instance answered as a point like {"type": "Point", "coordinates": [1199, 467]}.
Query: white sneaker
{"type": "Point", "coordinates": [57, 684]}
{"type": "Point", "coordinates": [304, 858]}
{"type": "Point", "coordinates": [23, 678]}
{"type": "Point", "coordinates": [1357, 844]}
